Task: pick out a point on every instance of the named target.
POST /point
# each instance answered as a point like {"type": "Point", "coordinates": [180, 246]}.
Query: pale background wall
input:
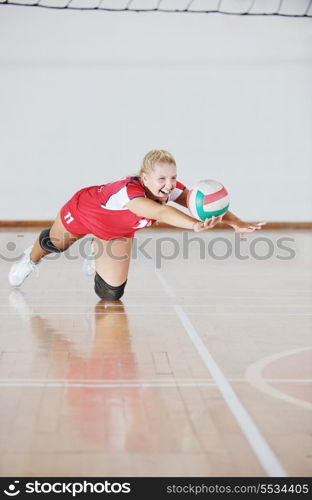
{"type": "Point", "coordinates": [84, 95]}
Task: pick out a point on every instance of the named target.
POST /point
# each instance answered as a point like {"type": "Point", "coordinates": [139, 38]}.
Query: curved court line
{"type": "Point", "coordinates": [253, 375]}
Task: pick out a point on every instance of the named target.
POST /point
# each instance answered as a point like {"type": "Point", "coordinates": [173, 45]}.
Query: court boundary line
{"type": "Point", "coordinates": [7, 382]}
{"type": "Point", "coordinates": [156, 290]}
{"type": "Point", "coordinates": [159, 304]}
{"type": "Point", "coordinates": [105, 385]}
{"type": "Point", "coordinates": [166, 287]}
{"type": "Point", "coordinates": [257, 442]}
{"type": "Point", "coordinates": [139, 313]}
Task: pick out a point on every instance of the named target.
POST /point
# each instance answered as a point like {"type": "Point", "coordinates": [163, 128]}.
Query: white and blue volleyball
{"type": "Point", "coordinates": [208, 199]}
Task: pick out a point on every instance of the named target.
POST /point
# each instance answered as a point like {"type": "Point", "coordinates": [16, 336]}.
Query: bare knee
{"type": "Point", "coordinates": [106, 291]}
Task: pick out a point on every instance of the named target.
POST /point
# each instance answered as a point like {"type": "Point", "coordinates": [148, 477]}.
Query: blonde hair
{"type": "Point", "coordinates": [155, 156]}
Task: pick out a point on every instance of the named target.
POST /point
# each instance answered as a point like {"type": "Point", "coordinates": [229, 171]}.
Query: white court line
{"type": "Point", "coordinates": [257, 442]}
{"type": "Point", "coordinates": [254, 376]}
{"type": "Point", "coordinates": [255, 439]}
{"type": "Point", "coordinates": [162, 304]}
{"type": "Point", "coordinates": [71, 290]}
{"type": "Point", "coordinates": [152, 313]}
{"type": "Point", "coordinates": [242, 290]}
{"type": "Point", "coordinates": [11, 382]}
{"type": "Point", "coordinates": [168, 289]}
{"type": "Point", "coordinates": [106, 385]}
{"type": "Point", "coordinates": [177, 295]}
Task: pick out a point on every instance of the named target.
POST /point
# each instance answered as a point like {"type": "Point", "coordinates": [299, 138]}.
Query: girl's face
{"type": "Point", "coordinates": [160, 181]}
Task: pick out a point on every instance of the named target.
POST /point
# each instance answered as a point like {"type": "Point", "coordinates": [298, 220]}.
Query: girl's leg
{"type": "Point", "coordinates": [112, 266]}
{"type": "Point", "coordinates": [60, 238]}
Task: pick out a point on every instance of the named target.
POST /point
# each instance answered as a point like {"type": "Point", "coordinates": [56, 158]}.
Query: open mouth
{"type": "Point", "coordinates": [164, 193]}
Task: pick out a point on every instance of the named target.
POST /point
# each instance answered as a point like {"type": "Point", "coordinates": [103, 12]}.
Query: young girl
{"type": "Point", "coordinates": [113, 213]}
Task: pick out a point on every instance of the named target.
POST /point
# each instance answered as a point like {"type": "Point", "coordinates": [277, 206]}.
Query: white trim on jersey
{"type": "Point", "coordinates": [175, 194]}
{"type": "Point", "coordinates": [117, 201]}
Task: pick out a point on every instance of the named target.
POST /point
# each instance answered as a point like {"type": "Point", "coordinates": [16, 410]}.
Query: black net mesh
{"type": "Point", "coordinates": [287, 8]}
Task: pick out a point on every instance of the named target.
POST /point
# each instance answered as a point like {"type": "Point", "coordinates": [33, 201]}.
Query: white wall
{"type": "Point", "coordinates": [84, 95]}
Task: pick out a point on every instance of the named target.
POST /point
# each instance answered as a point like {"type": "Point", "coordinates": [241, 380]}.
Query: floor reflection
{"type": "Point", "coordinates": [99, 405]}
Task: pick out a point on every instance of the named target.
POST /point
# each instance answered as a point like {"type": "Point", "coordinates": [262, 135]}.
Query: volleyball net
{"type": "Point", "coordinates": [286, 8]}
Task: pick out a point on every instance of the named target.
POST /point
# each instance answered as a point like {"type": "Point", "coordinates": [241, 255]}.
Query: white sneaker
{"type": "Point", "coordinates": [19, 271]}
{"type": "Point", "coordinates": [88, 265]}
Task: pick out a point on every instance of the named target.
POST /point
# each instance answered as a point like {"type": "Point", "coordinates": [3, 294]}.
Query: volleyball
{"type": "Point", "coordinates": [208, 198]}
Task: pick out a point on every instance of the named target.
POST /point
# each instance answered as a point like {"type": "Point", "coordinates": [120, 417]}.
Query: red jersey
{"type": "Point", "coordinates": [101, 210]}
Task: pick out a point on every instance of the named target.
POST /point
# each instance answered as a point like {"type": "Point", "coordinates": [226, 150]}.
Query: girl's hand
{"type": "Point", "coordinates": [246, 228]}
{"type": "Point", "coordinates": [200, 226]}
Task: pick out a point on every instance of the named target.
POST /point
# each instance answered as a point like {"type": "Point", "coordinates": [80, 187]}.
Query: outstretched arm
{"type": "Point", "coordinates": [238, 225]}
{"type": "Point", "coordinates": [150, 209]}
{"type": "Point", "coordinates": [228, 219]}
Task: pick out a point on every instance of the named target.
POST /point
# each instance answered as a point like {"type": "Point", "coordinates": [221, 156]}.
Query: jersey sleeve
{"type": "Point", "coordinates": [135, 190]}
{"type": "Point", "coordinates": [178, 190]}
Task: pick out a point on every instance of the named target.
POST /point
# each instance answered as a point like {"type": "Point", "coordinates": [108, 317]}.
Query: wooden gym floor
{"type": "Point", "coordinates": [203, 369]}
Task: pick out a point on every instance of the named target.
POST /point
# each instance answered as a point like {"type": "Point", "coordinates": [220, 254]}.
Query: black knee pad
{"type": "Point", "coordinates": [46, 244]}
{"type": "Point", "coordinates": [106, 291]}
